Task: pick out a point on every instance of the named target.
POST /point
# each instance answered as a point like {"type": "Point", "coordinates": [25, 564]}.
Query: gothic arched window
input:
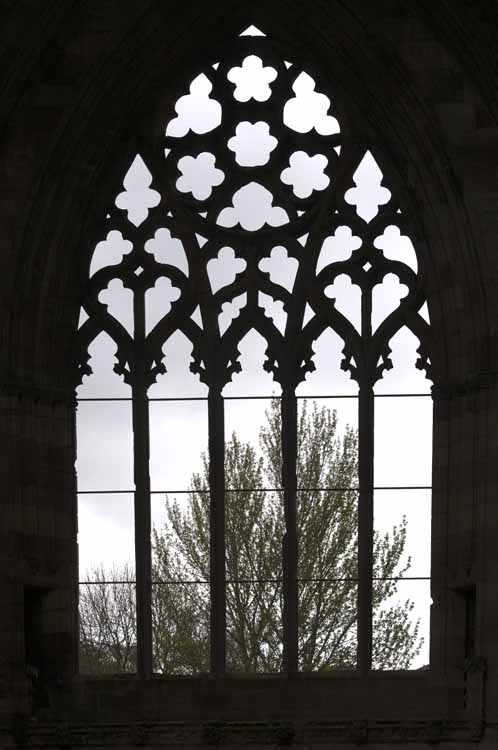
{"type": "Point", "coordinates": [254, 419]}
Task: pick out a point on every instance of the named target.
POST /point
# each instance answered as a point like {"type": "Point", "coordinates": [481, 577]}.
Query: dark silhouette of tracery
{"type": "Point", "coordinates": [209, 222]}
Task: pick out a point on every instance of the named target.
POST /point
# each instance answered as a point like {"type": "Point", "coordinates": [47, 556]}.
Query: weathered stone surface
{"type": "Point", "coordinates": [79, 81]}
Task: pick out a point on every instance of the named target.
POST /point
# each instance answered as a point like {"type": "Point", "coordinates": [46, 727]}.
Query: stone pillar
{"type": "Point", "coordinates": [38, 549]}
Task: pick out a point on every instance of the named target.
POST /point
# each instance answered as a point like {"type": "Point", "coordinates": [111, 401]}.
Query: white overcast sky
{"type": "Point", "coordinates": [403, 434]}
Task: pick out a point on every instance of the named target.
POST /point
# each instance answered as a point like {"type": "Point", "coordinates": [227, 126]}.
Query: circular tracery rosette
{"type": "Point", "coordinates": [243, 133]}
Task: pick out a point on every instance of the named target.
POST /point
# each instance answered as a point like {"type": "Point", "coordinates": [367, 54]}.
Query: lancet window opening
{"type": "Point", "coordinates": [258, 173]}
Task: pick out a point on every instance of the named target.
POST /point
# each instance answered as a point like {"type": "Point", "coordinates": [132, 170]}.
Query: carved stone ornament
{"type": "Point", "coordinates": [267, 164]}
{"type": "Point", "coordinates": [259, 169]}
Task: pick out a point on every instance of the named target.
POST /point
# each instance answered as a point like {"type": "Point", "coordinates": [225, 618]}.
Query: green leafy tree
{"type": "Point", "coordinates": [327, 566]}
{"type": "Point", "coordinates": [254, 529]}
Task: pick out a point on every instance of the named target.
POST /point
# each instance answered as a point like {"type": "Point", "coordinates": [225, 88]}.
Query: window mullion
{"type": "Point", "coordinates": [366, 404]}
{"type": "Point", "coordinates": [290, 552]}
{"type": "Point", "coordinates": [365, 526]}
{"type": "Point", "coordinates": [142, 494]}
{"type": "Point", "coordinates": [217, 529]}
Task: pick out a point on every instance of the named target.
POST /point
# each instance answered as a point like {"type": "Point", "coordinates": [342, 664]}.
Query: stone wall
{"type": "Point", "coordinates": [80, 83]}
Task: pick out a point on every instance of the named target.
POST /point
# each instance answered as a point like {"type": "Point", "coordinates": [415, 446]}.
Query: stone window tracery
{"type": "Point", "coordinates": [261, 234]}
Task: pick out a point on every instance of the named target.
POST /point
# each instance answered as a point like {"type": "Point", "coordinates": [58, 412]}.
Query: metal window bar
{"type": "Point", "coordinates": [257, 489]}
{"type": "Point", "coordinates": [255, 398]}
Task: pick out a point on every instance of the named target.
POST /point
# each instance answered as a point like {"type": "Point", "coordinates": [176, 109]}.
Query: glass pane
{"type": "Point", "coordinates": [254, 529]}
{"type": "Point", "coordinates": [119, 301]}
{"type": "Point", "coordinates": [108, 628]}
{"type": "Point", "coordinates": [106, 537]}
{"type": "Point", "coordinates": [305, 173]}
{"type": "Point", "coordinates": [138, 196]}
{"type": "Point", "coordinates": [223, 269]}
{"type": "Point", "coordinates": [327, 535]}
{"type": "Point", "coordinates": [403, 441]}
{"type": "Point", "coordinates": [273, 310]}
{"type": "Point", "coordinates": [252, 144]}
{"type": "Point", "coordinates": [327, 379]}
{"type": "Point", "coordinates": [386, 298]}
{"type": "Point", "coordinates": [252, 443]}
{"type": "Point", "coordinates": [346, 298]}
{"type": "Point", "coordinates": [327, 625]}
{"type": "Point", "coordinates": [309, 109]}
{"type": "Point", "coordinates": [180, 628]}
{"type": "Point", "coordinates": [281, 267]}
{"type": "Point", "coordinates": [178, 381]}
{"type": "Point", "coordinates": [109, 252]}
{"type": "Point", "coordinates": [196, 111]}
{"type": "Point", "coordinates": [254, 627]}
{"type": "Point", "coordinates": [253, 380]}
{"type": "Point", "coordinates": [178, 440]}
{"type": "Point", "coordinates": [180, 600]}
{"type": "Point", "coordinates": [328, 443]}
{"type": "Point", "coordinates": [252, 31]}
{"type": "Point", "coordinates": [402, 523]}
{"type": "Point", "coordinates": [368, 194]}
{"type": "Point", "coordinates": [401, 624]}
{"type": "Point", "coordinates": [252, 80]}
{"type": "Point", "coordinates": [338, 246]}
{"type": "Point", "coordinates": [159, 299]}
{"type": "Point", "coordinates": [230, 310]}
{"type": "Point", "coordinates": [404, 377]}
{"type": "Point", "coordinates": [180, 537]}
{"type": "Point", "coordinates": [397, 246]}
{"type": "Point", "coordinates": [167, 249]}
{"type": "Point", "coordinates": [105, 446]}
{"type": "Point", "coordinates": [253, 207]}
{"type": "Point", "coordinates": [103, 382]}
{"type": "Point", "coordinates": [199, 175]}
